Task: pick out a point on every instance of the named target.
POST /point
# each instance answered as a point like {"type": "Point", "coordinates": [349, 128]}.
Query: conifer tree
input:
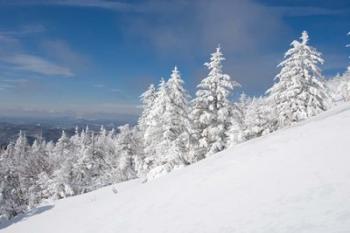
{"type": "Point", "coordinates": [259, 118]}
{"type": "Point", "coordinates": [38, 163]}
{"type": "Point", "coordinates": [155, 146]}
{"type": "Point", "coordinates": [65, 157]}
{"type": "Point", "coordinates": [14, 185]}
{"type": "Point", "coordinates": [176, 120]}
{"type": "Point", "coordinates": [344, 86]}
{"type": "Point", "coordinates": [238, 125]}
{"type": "Point", "coordinates": [147, 99]}
{"type": "Point", "coordinates": [212, 111]}
{"type": "Point", "coordinates": [299, 92]}
{"type": "Point", "coordinates": [126, 151]}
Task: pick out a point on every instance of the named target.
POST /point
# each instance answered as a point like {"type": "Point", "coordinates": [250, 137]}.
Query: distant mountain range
{"type": "Point", "coordinates": [49, 128]}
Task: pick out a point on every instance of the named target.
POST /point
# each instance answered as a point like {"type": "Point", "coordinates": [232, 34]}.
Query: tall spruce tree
{"type": "Point", "coordinates": [147, 99]}
{"type": "Point", "coordinates": [176, 119]}
{"type": "Point", "coordinates": [340, 84]}
{"type": "Point", "coordinates": [299, 92]}
{"type": "Point", "coordinates": [155, 146]}
{"type": "Point", "coordinates": [212, 111]}
{"type": "Point", "coordinates": [238, 126]}
{"type": "Point", "coordinates": [126, 150]}
{"type": "Point", "coordinates": [14, 182]}
{"type": "Point", "coordinates": [167, 135]}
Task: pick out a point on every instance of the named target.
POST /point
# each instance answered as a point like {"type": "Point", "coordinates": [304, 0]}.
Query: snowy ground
{"type": "Point", "coordinates": [296, 180]}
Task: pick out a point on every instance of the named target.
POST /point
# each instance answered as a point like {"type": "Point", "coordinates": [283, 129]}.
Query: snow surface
{"type": "Point", "coordinates": [296, 180]}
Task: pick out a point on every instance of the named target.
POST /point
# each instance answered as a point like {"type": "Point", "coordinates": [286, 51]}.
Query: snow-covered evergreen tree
{"type": "Point", "coordinates": [147, 99]}
{"type": "Point", "coordinates": [344, 86]}
{"type": "Point", "coordinates": [238, 125]}
{"type": "Point", "coordinates": [299, 92]}
{"type": "Point", "coordinates": [168, 133]}
{"type": "Point", "coordinates": [141, 168]}
{"type": "Point", "coordinates": [339, 85]}
{"type": "Point", "coordinates": [14, 184]}
{"type": "Point", "coordinates": [126, 151]}
{"type": "Point", "coordinates": [87, 167]}
{"type": "Point", "coordinates": [176, 119]}
{"type": "Point", "coordinates": [212, 111]}
{"type": "Point", "coordinates": [21, 148]}
{"type": "Point", "coordinates": [61, 149]}
{"type": "Point", "coordinates": [105, 157]}
{"type": "Point", "coordinates": [260, 118]}
{"type": "Point", "coordinates": [38, 162]}
{"type": "Point", "coordinates": [12, 197]}
{"type": "Point", "coordinates": [64, 157]}
{"type": "Point", "coordinates": [153, 136]}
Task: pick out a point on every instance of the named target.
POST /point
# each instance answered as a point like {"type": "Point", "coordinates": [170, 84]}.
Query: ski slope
{"type": "Point", "coordinates": [296, 180]}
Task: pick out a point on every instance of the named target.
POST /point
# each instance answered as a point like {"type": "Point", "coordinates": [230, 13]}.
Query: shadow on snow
{"type": "Point", "coordinates": [23, 217]}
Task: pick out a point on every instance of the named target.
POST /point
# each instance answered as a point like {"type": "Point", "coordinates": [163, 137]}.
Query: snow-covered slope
{"type": "Point", "coordinates": [295, 180]}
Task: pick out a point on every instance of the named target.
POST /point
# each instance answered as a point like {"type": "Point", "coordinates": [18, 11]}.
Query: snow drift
{"type": "Point", "coordinates": [294, 180]}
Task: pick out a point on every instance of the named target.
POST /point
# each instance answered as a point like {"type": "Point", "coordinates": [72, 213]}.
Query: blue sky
{"type": "Point", "coordinates": [93, 58]}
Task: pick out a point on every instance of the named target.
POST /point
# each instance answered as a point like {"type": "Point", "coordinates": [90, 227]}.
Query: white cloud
{"type": "Point", "coordinates": [4, 86]}
{"type": "Point", "coordinates": [107, 4]}
{"type": "Point", "coordinates": [99, 85]}
{"type": "Point", "coordinates": [188, 25]}
{"type": "Point", "coordinates": [116, 90]}
{"type": "Point", "coordinates": [62, 52]}
{"type": "Point", "coordinates": [189, 30]}
{"type": "Point", "coordinates": [25, 30]}
{"type": "Point", "coordinates": [36, 64]}
{"type": "Point", "coordinates": [296, 11]}
{"type": "Point", "coordinates": [57, 63]}
{"type": "Point", "coordinates": [103, 4]}
{"type": "Point", "coordinates": [95, 110]}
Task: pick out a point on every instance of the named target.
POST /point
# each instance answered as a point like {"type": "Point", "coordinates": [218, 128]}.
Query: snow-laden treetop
{"type": "Point", "coordinates": [304, 37]}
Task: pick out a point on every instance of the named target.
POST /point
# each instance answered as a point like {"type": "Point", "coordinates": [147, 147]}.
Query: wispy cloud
{"type": "Point", "coordinates": [8, 43]}
{"type": "Point", "coordinates": [11, 84]}
{"type": "Point", "coordinates": [25, 30]}
{"type": "Point", "coordinates": [103, 4]}
{"type": "Point", "coordinates": [107, 4]}
{"type": "Point", "coordinates": [116, 90]}
{"type": "Point", "coordinates": [190, 30]}
{"type": "Point", "coordinates": [99, 85]}
{"type": "Point", "coordinates": [97, 110]}
{"type": "Point", "coordinates": [62, 52]}
{"type": "Point", "coordinates": [297, 11]}
{"type": "Point", "coordinates": [56, 58]}
{"type": "Point", "coordinates": [36, 64]}
{"type": "Point", "coordinates": [4, 86]}
{"type": "Point", "coordinates": [188, 25]}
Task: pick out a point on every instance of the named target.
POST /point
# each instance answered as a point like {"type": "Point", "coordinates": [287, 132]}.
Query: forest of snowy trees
{"type": "Point", "coordinates": [173, 131]}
